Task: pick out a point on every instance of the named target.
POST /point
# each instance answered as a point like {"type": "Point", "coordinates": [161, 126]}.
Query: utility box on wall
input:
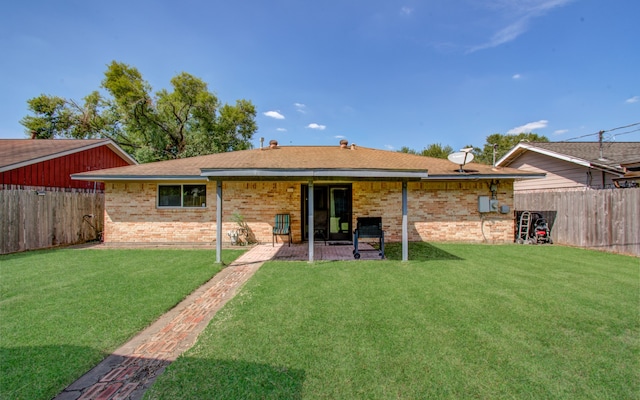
{"type": "Point", "coordinates": [486, 204]}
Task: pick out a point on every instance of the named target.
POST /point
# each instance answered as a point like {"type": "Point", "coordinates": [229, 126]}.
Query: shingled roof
{"type": "Point", "coordinates": [15, 153]}
{"type": "Point", "coordinates": [298, 162]}
{"type": "Point", "coordinates": [607, 156]}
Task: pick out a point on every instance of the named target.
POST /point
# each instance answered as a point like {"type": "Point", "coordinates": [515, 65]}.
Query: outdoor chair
{"type": "Point", "coordinates": [320, 225]}
{"type": "Point", "coordinates": [281, 227]}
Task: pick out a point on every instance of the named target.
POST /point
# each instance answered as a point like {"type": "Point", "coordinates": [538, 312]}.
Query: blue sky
{"type": "Point", "coordinates": [380, 73]}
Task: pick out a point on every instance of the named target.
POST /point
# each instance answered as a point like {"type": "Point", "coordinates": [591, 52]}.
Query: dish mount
{"type": "Point", "coordinates": [461, 157]}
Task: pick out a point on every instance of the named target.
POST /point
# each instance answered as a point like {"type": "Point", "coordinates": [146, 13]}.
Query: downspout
{"type": "Point", "coordinates": [219, 222]}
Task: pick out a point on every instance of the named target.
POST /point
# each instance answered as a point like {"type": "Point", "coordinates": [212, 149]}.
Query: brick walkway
{"type": "Point", "coordinates": [129, 371]}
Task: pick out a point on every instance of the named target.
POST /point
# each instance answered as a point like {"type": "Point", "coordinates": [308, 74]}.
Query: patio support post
{"type": "Point", "coordinates": [219, 222]}
{"type": "Point", "coordinates": [405, 239]}
{"type": "Point", "coordinates": [310, 223]}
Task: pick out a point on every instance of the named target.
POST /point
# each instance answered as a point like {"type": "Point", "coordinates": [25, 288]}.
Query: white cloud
{"type": "Point", "coordinates": [518, 14]}
{"type": "Point", "coordinates": [528, 128]}
{"type": "Point", "coordinates": [301, 108]}
{"type": "Point", "coordinates": [273, 114]}
{"type": "Point", "coordinates": [560, 131]}
{"type": "Point", "coordinates": [633, 99]}
{"type": "Point", "coordinates": [340, 137]}
{"type": "Point", "coordinates": [316, 126]}
{"type": "Point", "coordinates": [406, 11]}
{"type": "Point", "coordinates": [281, 130]}
{"type": "Point", "coordinates": [516, 76]}
{"type": "Point", "coordinates": [504, 35]}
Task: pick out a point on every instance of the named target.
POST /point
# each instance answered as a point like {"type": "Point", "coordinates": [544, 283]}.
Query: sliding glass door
{"type": "Point", "coordinates": [331, 212]}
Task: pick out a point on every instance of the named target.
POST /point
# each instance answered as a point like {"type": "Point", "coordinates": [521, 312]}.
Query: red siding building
{"type": "Point", "coordinates": [49, 163]}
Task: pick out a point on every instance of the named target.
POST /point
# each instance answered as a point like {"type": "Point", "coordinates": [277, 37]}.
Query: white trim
{"type": "Point", "coordinates": [181, 206]}
{"type": "Point", "coordinates": [523, 147]}
{"type": "Point", "coordinates": [476, 177]}
{"type": "Point", "coordinates": [104, 142]}
{"type": "Point", "coordinates": [314, 173]}
{"type": "Point", "coordinates": [117, 178]}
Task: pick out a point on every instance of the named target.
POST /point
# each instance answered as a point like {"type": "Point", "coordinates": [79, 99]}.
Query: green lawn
{"type": "Point", "coordinates": [468, 321]}
{"type": "Point", "coordinates": [62, 311]}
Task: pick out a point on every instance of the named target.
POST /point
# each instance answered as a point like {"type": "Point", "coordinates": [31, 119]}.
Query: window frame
{"type": "Point", "coordinates": [182, 195]}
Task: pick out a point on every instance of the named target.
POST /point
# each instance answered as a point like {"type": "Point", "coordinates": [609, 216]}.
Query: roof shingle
{"type": "Point", "coordinates": [301, 158]}
{"type": "Point", "coordinates": [613, 153]}
{"type": "Point", "coordinates": [29, 151]}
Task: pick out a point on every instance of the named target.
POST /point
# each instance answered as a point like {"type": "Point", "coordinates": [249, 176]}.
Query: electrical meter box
{"type": "Point", "coordinates": [483, 204]}
{"type": "Point", "coordinates": [487, 204]}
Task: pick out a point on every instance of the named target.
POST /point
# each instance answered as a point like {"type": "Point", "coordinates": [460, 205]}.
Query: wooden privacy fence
{"type": "Point", "coordinates": [605, 219]}
{"type": "Point", "coordinates": [34, 219]}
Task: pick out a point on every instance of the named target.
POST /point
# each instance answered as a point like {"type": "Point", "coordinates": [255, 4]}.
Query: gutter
{"type": "Point", "coordinates": [116, 178]}
{"type": "Point", "coordinates": [485, 176]}
{"type": "Point", "coordinates": [104, 142]}
{"type": "Point", "coordinates": [314, 173]}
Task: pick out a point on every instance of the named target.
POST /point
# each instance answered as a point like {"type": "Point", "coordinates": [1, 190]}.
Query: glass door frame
{"type": "Point", "coordinates": [332, 212]}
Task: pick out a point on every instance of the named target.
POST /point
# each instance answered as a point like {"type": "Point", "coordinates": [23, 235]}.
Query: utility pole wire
{"type": "Point", "coordinates": [599, 133]}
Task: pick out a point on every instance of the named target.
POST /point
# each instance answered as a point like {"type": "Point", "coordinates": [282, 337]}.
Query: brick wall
{"type": "Point", "coordinates": [131, 214]}
{"type": "Point", "coordinates": [438, 211]}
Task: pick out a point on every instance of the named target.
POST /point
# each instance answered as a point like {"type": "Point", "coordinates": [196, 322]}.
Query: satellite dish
{"type": "Point", "coordinates": [461, 157]}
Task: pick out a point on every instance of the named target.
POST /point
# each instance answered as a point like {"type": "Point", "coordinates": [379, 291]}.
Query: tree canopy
{"type": "Point", "coordinates": [186, 121]}
{"type": "Point", "coordinates": [435, 150]}
{"type": "Point", "coordinates": [502, 144]}
{"type": "Point", "coordinates": [484, 155]}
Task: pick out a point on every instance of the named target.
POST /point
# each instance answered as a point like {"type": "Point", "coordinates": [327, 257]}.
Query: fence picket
{"type": "Point", "coordinates": [606, 219]}
{"type": "Point", "coordinates": [30, 221]}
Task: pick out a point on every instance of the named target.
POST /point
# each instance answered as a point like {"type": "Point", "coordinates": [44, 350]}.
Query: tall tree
{"type": "Point", "coordinates": [186, 121]}
{"type": "Point", "coordinates": [435, 150]}
{"type": "Point", "coordinates": [502, 144]}
{"type": "Point", "coordinates": [53, 117]}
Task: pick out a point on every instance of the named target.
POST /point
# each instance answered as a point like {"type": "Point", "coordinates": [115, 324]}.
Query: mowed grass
{"type": "Point", "coordinates": [62, 311]}
{"type": "Point", "coordinates": [466, 321]}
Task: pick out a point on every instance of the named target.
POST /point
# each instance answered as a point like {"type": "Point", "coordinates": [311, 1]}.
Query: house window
{"type": "Point", "coordinates": [182, 195]}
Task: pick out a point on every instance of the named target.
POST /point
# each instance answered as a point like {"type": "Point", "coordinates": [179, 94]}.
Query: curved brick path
{"type": "Point", "coordinates": [131, 369]}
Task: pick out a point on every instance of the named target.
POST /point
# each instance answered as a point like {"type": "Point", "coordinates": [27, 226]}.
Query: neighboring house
{"type": "Point", "coordinates": [573, 164]}
{"type": "Point", "coordinates": [45, 163]}
{"type": "Point", "coordinates": [419, 198]}
{"type": "Point", "coordinates": [631, 174]}
{"type": "Point", "coordinates": [40, 205]}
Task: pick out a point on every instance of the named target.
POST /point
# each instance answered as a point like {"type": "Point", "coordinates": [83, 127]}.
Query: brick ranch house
{"type": "Point", "coordinates": [419, 198]}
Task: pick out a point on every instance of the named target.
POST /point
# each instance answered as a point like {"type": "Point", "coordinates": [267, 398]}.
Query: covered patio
{"type": "Point", "coordinates": [322, 252]}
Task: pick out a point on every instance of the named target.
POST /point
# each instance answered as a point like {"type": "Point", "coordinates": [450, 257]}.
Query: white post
{"type": "Point", "coordinates": [310, 230]}
{"type": "Point", "coordinates": [219, 222]}
{"type": "Point", "coordinates": [405, 239]}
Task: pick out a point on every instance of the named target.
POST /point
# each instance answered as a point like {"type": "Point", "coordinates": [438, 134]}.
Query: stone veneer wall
{"type": "Point", "coordinates": [438, 211]}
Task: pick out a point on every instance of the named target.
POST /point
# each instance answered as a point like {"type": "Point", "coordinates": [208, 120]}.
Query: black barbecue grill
{"type": "Point", "coordinates": [368, 228]}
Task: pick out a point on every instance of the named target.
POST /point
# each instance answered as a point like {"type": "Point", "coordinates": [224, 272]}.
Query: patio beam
{"type": "Point", "coordinates": [301, 173]}
{"type": "Point", "coordinates": [219, 222]}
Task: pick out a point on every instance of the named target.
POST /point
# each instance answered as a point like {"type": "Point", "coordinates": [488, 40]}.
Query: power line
{"type": "Point", "coordinates": [626, 133]}
{"type": "Point", "coordinates": [580, 137]}
{"type": "Point", "coordinates": [622, 127]}
{"type": "Point", "coordinates": [608, 130]}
